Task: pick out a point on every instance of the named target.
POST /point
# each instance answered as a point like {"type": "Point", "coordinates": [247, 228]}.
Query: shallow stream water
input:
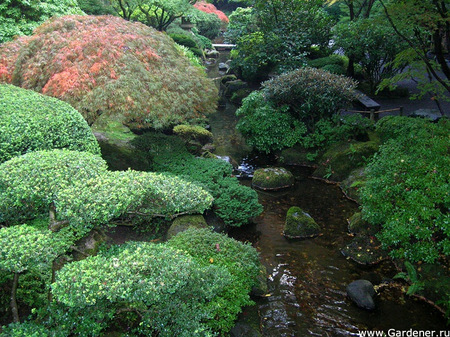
{"type": "Point", "coordinates": [307, 278]}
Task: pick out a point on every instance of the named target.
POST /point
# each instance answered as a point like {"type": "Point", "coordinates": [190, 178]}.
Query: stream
{"type": "Point", "coordinates": [307, 278]}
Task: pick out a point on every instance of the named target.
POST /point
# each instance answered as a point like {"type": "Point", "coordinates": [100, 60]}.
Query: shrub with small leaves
{"type": "Point", "coordinates": [30, 122]}
{"type": "Point", "coordinates": [311, 94]}
{"type": "Point", "coordinates": [267, 127]}
{"type": "Point", "coordinates": [168, 292]}
{"type": "Point", "coordinates": [407, 189]}
{"type": "Point", "coordinates": [30, 183]}
{"type": "Point", "coordinates": [208, 24]}
{"type": "Point", "coordinates": [117, 194]}
{"type": "Point", "coordinates": [240, 260]}
{"type": "Point", "coordinates": [25, 329]}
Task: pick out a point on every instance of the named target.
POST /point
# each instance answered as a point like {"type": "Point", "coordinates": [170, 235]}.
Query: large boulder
{"type": "Point", "coordinates": [184, 222]}
{"type": "Point", "coordinates": [361, 292]}
{"type": "Point", "coordinates": [341, 159]}
{"type": "Point", "coordinates": [272, 178]}
{"type": "Point", "coordinates": [233, 86]}
{"type": "Point", "coordinates": [300, 225]}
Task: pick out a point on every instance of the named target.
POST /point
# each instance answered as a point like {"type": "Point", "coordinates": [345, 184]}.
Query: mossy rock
{"type": "Point", "coordinates": [296, 156]}
{"type": "Point", "coordinates": [341, 159]}
{"type": "Point", "coordinates": [233, 86]}
{"type": "Point", "coordinates": [193, 133]}
{"type": "Point", "coordinates": [356, 224]}
{"type": "Point", "coordinates": [353, 183]}
{"type": "Point", "coordinates": [182, 223]}
{"type": "Point", "coordinates": [300, 225]}
{"type": "Point", "coordinates": [228, 78]}
{"type": "Point", "coordinates": [364, 250]}
{"type": "Point", "coordinates": [272, 178]}
{"type": "Point", "coordinates": [261, 288]}
{"type": "Point", "coordinates": [239, 95]}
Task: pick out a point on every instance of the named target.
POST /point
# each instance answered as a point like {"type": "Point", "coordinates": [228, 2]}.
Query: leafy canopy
{"type": "Point", "coordinates": [20, 17]}
{"type": "Point", "coordinates": [30, 121]}
{"type": "Point", "coordinates": [104, 65]}
{"type": "Point", "coordinates": [168, 290]}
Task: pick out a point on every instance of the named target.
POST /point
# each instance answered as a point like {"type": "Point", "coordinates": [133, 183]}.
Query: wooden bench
{"type": "Point", "coordinates": [366, 102]}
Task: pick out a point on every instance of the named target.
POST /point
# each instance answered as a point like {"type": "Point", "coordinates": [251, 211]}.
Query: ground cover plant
{"type": "Point", "coordinates": [30, 121]}
{"type": "Point", "coordinates": [104, 65]}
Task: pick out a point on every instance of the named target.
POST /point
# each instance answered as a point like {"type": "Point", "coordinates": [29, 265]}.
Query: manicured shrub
{"type": "Point", "coordinates": [407, 190]}
{"type": "Point", "coordinates": [30, 183]}
{"type": "Point", "coordinates": [30, 122]}
{"type": "Point", "coordinates": [267, 127]}
{"type": "Point", "coordinates": [129, 194]}
{"type": "Point", "coordinates": [165, 292]}
{"type": "Point", "coordinates": [107, 65]}
{"type": "Point", "coordinates": [193, 132]}
{"type": "Point", "coordinates": [240, 260]}
{"type": "Point", "coordinates": [328, 60]}
{"type": "Point", "coordinates": [189, 42]}
{"type": "Point", "coordinates": [311, 94]}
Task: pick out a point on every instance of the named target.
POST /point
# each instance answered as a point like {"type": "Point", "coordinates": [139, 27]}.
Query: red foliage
{"type": "Point", "coordinates": [210, 8]}
{"type": "Point", "coordinates": [106, 64]}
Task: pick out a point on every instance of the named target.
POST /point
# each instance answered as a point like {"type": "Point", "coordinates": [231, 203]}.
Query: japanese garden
{"type": "Point", "coordinates": [224, 168]}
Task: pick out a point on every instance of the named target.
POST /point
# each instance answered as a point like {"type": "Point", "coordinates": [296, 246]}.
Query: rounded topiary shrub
{"type": "Point", "coordinates": [300, 225]}
{"type": "Point", "coordinates": [31, 122]}
{"type": "Point", "coordinates": [107, 66]}
{"type": "Point", "coordinates": [272, 178]}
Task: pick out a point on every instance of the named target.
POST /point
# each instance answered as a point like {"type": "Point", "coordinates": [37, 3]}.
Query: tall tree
{"type": "Point", "coordinates": [425, 26]}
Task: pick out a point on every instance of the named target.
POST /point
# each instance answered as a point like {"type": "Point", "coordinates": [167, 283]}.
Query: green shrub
{"type": "Point", "coordinates": [328, 60]}
{"type": "Point", "coordinates": [165, 292]}
{"type": "Point", "coordinates": [338, 129]}
{"type": "Point", "coordinates": [30, 122]}
{"type": "Point", "coordinates": [394, 127]}
{"type": "Point", "coordinates": [407, 190]}
{"type": "Point", "coordinates": [193, 132]}
{"type": "Point", "coordinates": [129, 193]}
{"type": "Point", "coordinates": [25, 329]}
{"type": "Point", "coordinates": [240, 260]}
{"type": "Point", "coordinates": [189, 42]}
{"type": "Point", "coordinates": [234, 203]}
{"type": "Point", "coordinates": [311, 94]}
{"type": "Point", "coordinates": [190, 55]}
{"type": "Point", "coordinates": [267, 127]}
{"type": "Point", "coordinates": [335, 69]}
{"type": "Point", "coordinates": [208, 24]}
{"type": "Point", "coordinates": [30, 183]}
{"type": "Point", "coordinates": [202, 41]}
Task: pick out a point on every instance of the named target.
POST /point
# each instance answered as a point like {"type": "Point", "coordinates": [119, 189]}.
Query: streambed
{"type": "Point", "coordinates": [307, 278]}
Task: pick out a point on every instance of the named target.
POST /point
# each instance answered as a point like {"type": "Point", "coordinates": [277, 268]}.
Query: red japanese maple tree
{"type": "Point", "coordinates": [210, 8]}
{"type": "Point", "coordinates": [107, 65]}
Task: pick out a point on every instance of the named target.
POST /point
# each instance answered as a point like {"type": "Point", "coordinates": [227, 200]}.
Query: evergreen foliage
{"type": "Point", "coordinates": [30, 122]}
{"type": "Point", "coordinates": [407, 189]}
{"type": "Point", "coordinates": [234, 203]}
{"type": "Point", "coordinates": [164, 291]}
{"type": "Point", "coordinates": [240, 260]}
{"type": "Point", "coordinates": [106, 65]}
{"type": "Point", "coordinates": [29, 184]}
{"type": "Point", "coordinates": [20, 17]}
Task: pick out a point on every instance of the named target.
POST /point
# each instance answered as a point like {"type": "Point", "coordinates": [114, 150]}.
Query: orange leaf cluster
{"type": "Point", "coordinates": [211, 9]}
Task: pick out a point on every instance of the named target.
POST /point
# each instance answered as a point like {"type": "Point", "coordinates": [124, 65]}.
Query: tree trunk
{"type": "Point", "coordinates": [14, 308]}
